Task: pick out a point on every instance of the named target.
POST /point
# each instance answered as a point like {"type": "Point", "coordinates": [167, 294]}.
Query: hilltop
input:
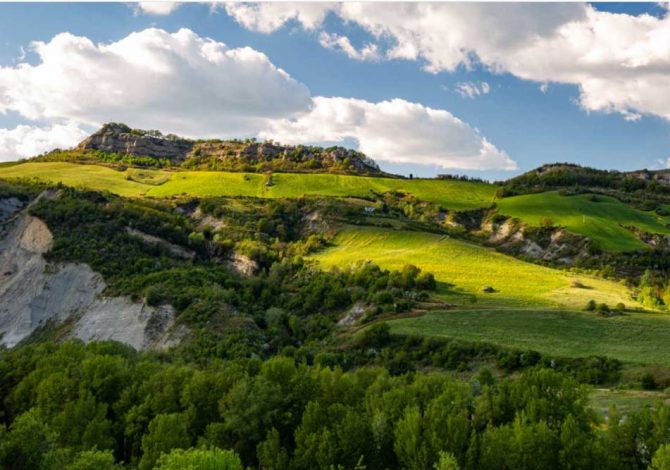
{"type": "Point", "coordinates": [636, 186]}
{"type": "Point", "coordinates": [118, 144]}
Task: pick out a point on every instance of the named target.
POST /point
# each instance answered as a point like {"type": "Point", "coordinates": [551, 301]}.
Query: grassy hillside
{"type": "Point", "coordinates": [89, 176]}
{"type": "Point", "coordinates": [456, 195]}
{"type": "Point", "coordinates": [471, 268]}
{"type": "Point", "coordinates": [637, 337]}
{"type": "Point", "coordinates": [601, 221]}
{"type": "Point", "coordinates": [451, 194]}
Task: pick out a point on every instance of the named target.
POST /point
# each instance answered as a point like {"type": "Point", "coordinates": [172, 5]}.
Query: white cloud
{"type": "Point", "coordinates": [27, 141]}
{"type": "Point", "coordinates": [472, 89]}
{"type": "Point", "coordinates": [268, 17]}
{"type": "Point", "coordinates": [179, 83]}
{"type": "Point", "coordinates": [342, 43]}
{"type": "Point", "coordinates": [197, 87]}
{"type": "Point", "coordinates": [394, 131]}
{"type": "Point", "coordinates": [620, 62]}
{"type": "Point", "coordinates": [157, 8]}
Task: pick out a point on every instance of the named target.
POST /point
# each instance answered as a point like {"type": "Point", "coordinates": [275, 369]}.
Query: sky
{"type": "Point", "coordinates": [487, 90]}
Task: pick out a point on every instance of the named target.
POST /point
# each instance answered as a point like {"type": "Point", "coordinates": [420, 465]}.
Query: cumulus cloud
{"type": "Point", "coordinates": [620, 62]}
{"type": "Point", "coordinates": [196, 87]}
{"type": "Point", "coordinates": [27, 141]}
{"type": "Point", "coordinates": [268, 17]}
{"type": "Point", "coordinates": [394, 131]}
{"type": "Point", "coordinates": [156, 8]}
{"type": "Point", "coordinates": [179, 83]}
{"type": "Point", "coordinates": [472, 89]}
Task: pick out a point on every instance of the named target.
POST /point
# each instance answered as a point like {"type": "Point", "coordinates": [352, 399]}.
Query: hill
{"type": "Point", "coordinates": [117, 144]}
{"type": "Point", "coordinates": [452, 194]}
{"type": "Point", "coordinates": [471, 268]}
{"type": "Point", "coordinates": [606, 220]}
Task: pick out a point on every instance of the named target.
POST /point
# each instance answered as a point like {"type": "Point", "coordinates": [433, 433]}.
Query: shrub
{"type": "Point", "coordinates": [603, 308]}
{"type": "Point", "coordinates": [590, 306]}
{"type": "Point", "coordinates": [648, 382]}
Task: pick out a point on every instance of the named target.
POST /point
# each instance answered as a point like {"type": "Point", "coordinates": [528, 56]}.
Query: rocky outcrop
{"type": "Point", "coordinates": [34, 294]}
{"type": "Point", "coordinates": [657, 241]}
{"type": "Point", "coordinates": [224, 154]}
{"type": "Point", "coordinates": [119, 138]}
{"type": "Point", "coordinates": [242, 264]}
{"type": "Point", "coordinates": [542, 243]}
{"type": "Point", "coordinates": [511, 236]}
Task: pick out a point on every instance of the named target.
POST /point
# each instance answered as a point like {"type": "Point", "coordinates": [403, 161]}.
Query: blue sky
{"type": "Point", "coordinates": [530, 125]}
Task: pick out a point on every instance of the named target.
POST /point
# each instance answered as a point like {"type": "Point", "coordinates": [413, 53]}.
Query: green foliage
{"type": "Point", "coordinates": [166, 432]}
{"type": "Point", "coordinates": [199, 459]}
{"type": "Point", "coordinates": [283, 414]}
{"type": "Point", "coordinates": [93, 460]}
{"type": "Point", "coordinates": [661, 458]}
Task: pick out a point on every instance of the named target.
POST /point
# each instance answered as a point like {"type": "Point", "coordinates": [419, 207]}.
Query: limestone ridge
{"type": "Point", "coordinates": [119, 138]}
{"type": "Point", "coordinates": [226, 154]}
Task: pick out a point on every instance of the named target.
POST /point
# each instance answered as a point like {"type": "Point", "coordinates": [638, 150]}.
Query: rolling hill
{"type": "Point", "coordinates": [451, 194]}
{"type": "Point", "coordinates": [600, 218]}
{"type": "Point", "coordinates": [471, 268]}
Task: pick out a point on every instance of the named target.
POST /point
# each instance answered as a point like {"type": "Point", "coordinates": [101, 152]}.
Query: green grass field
{"type": "Point", "coordinates": [470, 268]}
{"type": "Point", "coordinates": [601, 221]}
{"type": "Point", "coordinates": [456, 195]}
{"type": "Point", "coordinates": [635, 337]}
{"type": "Point", "coordinates": [626, 401]}
{"type": "Point", "coordinates": [94, 177]}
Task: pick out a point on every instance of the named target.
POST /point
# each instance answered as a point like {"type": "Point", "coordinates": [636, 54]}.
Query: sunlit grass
{"type": "Point", "coordinates": [470, 268]}
{"type": "Point", "coordinates": [601, 221]}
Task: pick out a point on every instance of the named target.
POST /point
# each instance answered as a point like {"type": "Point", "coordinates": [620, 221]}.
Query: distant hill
{"type": "Point", "coordinates": [118, 144]}
{"type": "Point", "coordinates": [567, 175]}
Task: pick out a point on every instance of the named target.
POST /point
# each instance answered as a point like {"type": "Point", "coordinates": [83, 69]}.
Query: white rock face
{"type": "Point", "coordinates": [32, 293]}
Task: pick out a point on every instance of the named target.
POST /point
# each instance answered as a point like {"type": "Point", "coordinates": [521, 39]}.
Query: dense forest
{"type": "Point", "coordinates": [79, 406]}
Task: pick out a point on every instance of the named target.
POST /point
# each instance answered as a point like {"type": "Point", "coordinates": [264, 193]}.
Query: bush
{"type": "Point", "coordinates": [375, 336]}
{"type": "Point", "coordinates": [603, 308]}
{"type": "Point", "coordinates": [590, 305]}
{"type": "Point", "coordinates": [648, 382]}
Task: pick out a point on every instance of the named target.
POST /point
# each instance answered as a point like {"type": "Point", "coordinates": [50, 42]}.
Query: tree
{"type": "Point", "coordinates": [447, 462]}
{"type": "Point", "coordinates": [409, 441]}
{"type": "Point", "coordinates": [166, 432]}
{"type": "Point", "coordinates": [28, 439]}
{"type": "Point", "coordinates": [271, 455]}
{"type": "Point", "coordinates": [199, 459]}
{"type": "Point", "coordinates": [93, 460]}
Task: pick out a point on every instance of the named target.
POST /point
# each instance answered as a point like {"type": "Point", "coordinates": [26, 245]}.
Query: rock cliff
{"type": "Point", "coordinates": [247, 155]}
{"type": "Point", "coordinates": [34, 293]}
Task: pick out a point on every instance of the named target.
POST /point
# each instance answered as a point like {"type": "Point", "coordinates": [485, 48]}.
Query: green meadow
{"type": "Point", "coordinates": [94, 177]}
{"type": "Point", "coordinates": [470, 268]}
{"type": "Point", "coordinates": [457, 195]}
{"type": "Point", "coordinates": [634, 337]}
{"type": "Point", "coordinates": [601, 221]}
